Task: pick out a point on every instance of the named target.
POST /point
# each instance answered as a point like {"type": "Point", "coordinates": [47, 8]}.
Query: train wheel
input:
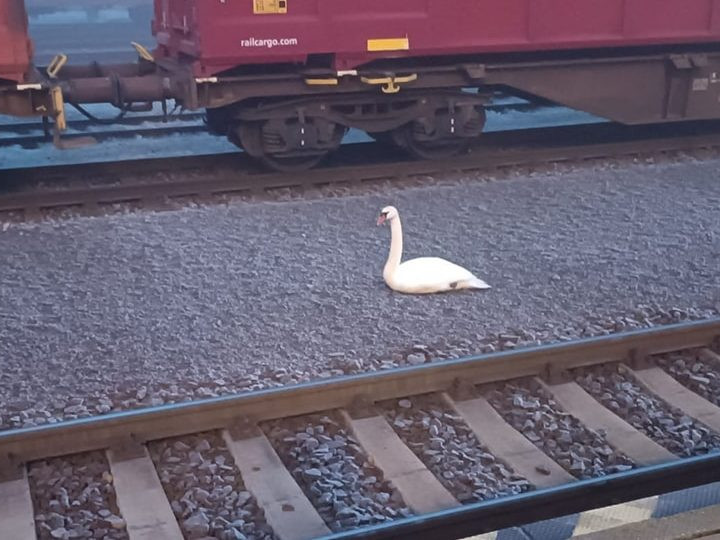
{"type": "Point", "coordinates": [292, 163]}
{"type": "Point", "coordinates": [442, 134]}
{"type": "Point", "coordinates": [409, 139]}
{"type": "Point", "coordinates": [275, 143]}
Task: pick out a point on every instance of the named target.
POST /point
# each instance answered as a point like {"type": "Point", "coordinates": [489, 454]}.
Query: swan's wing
{"type": "Point", "coordinates": [431, 272]}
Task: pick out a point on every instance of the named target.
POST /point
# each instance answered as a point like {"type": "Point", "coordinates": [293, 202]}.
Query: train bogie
{"type": "Point", "coordinates": [289, 133]}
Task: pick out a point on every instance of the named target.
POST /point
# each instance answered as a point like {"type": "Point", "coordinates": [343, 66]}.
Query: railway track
{"type": "Point", "coordinates": [31, 134]}
{"type": "Point", "coordinates": [211, 176]}
{"type": "Point", "coordinates": [17, 128]}
{"type": "Point", "coordinates": [367, 456]}
{"type": "Point", "coordinates": [93, 137]}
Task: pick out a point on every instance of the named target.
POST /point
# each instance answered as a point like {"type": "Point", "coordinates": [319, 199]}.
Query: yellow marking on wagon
{"type": "Point", "coordinates": [390, 85]}
{"type": "Point", "coordinates": [330, 81]}
{"type": "Point", "coordinates": [391, 44]}
{"type": "Point", "coordinates": [270, 7]}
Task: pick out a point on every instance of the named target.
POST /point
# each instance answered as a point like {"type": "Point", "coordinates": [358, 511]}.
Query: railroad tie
{"type": "Point", "coordinates": [671, 391]}
{"type": "Point", "coordinates": [419, 487]}
{"type": "Point", "coordinates": [508, 444]}
{"type": "Point", "coordinates": [141, 498]}
{"type": "Point", "coordinates": [17, 520]}
{"type": "Point", "coordinates": [287, 510]}
{"type": "Point", "coordinates": [628, 440]}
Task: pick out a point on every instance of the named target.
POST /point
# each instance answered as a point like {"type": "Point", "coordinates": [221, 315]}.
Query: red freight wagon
{"type": "Point", "coordinates": [15, 45]}
{"type": "Point", "coordinates": [286, 79]}
{"type": "Point", "coordinates": [223, 34]}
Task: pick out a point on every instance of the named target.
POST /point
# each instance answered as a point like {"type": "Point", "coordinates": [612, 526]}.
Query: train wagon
{"type": "Point", "coordinates": [285, 79]}
{"type": "Point", "coordinates": [346, 34]}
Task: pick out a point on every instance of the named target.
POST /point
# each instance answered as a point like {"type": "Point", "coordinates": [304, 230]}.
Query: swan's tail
{"type": "Point", "coordinates": [476, 283]}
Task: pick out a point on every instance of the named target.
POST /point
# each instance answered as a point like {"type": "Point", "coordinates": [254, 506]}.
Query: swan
{"type": "Point", "coordinates": [425, 274]}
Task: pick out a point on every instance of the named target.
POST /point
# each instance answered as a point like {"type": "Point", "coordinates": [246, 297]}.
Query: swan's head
{"type": "Point", "coordinates": [387, 214]}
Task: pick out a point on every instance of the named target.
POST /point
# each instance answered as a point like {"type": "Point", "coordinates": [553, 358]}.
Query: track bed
{"type": "Point", "coordinates": [440, 450]}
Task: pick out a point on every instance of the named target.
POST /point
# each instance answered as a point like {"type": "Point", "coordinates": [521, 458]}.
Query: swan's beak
{"type": "Point", "coordinates": [381, 219]}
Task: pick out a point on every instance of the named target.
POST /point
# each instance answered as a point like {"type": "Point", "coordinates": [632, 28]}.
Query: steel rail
{"type": "Point", "coordinates": [105, 135]}
{"type": "Point", "coordinates": [539, 505]}
{"type": "Point", "coordinates": [109, 168]}
{"type": "Point", "coordinates": [143, 425]}
{"type": "Point", "coordinates": [84, 130]}
{"type": "Point", "coordinates": [537, 146]}
{"type": "Point", "coordinates": [84, 123]}
{"type": "Point", "coordinates": [124, 432]}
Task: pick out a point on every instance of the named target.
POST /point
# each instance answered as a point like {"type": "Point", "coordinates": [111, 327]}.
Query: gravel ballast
{"type": "Point", "coordinates": [117, 312]}
{"type": "Point", "coordinates": [696, 373]}
{"type": "Point", "coordinates": [617, 390]}
{"type": "Point", "coordinates": [449, 449]}
{"type": "Point", "coordinates": [206, 491]}
{"type": "Point", "coordinates": [334, 472]}
{"type": "Point", "coordinates": [74, 497]}
{"type": "Point", "coordinates": [582, 452]}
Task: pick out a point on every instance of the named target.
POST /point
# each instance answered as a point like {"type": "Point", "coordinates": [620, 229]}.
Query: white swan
{"type": "Point", "coordinates": [425, 274]}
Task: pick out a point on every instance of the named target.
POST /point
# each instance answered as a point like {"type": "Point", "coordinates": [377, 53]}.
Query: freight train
{"type": "Point", "coordinates": [286, 79]}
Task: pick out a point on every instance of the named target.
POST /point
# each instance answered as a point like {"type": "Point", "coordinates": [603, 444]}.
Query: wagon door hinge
{"type": "Point", "coordinates": [391, 84]}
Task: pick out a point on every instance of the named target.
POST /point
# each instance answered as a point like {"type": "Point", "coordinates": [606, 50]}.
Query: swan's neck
{"type": "Point", "coordinates": [396, 247]}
